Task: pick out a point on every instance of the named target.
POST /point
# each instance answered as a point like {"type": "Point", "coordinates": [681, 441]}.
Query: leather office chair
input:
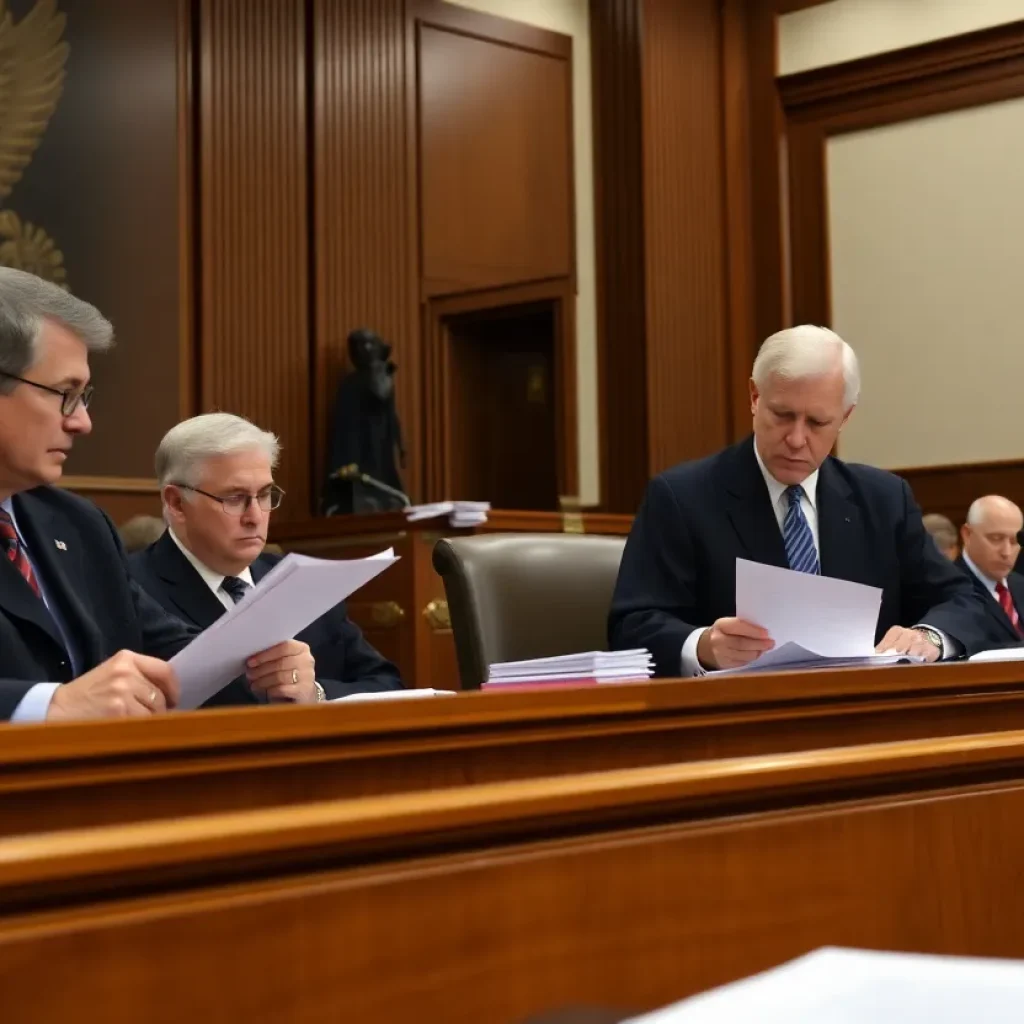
{"type": "Point", "coordinates": [513, 596]}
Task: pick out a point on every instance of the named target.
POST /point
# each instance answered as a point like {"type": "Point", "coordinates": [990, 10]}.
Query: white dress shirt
{"type": "Point", "coordinates": [214, 580]}
{"type": "Point", "coordinates": [691, 665]}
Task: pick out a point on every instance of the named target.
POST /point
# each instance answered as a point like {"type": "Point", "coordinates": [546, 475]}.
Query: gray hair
{"type": "Point", "coordinates": [941, 529]}
{"type": "Point", "coordinates": [26, 303]}
{"type": "Point", "coordinates": [807, 351]}
{"type": "Point", "coordinates": [185, 447]}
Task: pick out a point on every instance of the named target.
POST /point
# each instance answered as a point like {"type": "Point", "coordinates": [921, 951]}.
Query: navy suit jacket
{"type": "Point", "coordinates": [678, 569]}
{"type": "Point", "coordinates": [345, 662]}
{"type": "Point", "coordinates": [87, 577]}
{"type": "Point", "coordinates": [1006, 635]}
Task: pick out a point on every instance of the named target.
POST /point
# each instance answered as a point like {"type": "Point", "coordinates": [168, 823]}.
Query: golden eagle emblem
{"type": "Point", "coordinates": [32, 59]}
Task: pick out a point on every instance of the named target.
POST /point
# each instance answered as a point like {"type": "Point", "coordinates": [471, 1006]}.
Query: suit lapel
{"type": "Point", "coordinates": [749, 508]}
{"type": "Point", "coordinates": [188, 591]}
{"type": "Point", "coordinates": [992, 606]}
{"type": "Point", "coordinates": [842, 540]}
{"type": "Point", "coordinates": [55, 549]}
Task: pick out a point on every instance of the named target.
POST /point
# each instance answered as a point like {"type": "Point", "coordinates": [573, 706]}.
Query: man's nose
{"type": "Point", "coordinates": [79, 422]}
{"type": "Point", "coordinates": [796, 436]}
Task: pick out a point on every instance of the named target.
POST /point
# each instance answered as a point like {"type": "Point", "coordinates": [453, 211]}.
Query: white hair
{"type": "Point", "coordinates": [184, 449]}
{"type": "Point", "coordinates": [807, 351]}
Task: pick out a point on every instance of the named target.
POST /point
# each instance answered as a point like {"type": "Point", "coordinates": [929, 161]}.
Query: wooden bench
{"type": "Point", "coordinates": [73, 776]}
{"type": "Point", "coordinates": [624, 889]}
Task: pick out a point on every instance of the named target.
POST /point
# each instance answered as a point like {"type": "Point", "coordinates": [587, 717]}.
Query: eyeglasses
{"type": "Point", "coordinates": [69, 400]}
{"type": "Point", "coordinates": [237, 504]}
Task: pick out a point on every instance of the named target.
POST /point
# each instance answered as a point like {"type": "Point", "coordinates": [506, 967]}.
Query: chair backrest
{"type": "Point", "coordinates": [513, 596]}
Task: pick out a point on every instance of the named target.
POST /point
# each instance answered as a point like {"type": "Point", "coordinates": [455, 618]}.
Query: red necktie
{"type": "Point", "coordinates": [1007, 605]}
{"type": "Point", "coordinates": [15, 552]}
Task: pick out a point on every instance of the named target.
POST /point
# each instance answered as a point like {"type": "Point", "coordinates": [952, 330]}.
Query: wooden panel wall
{"type": "Point", "coordinates": [364, 200]}
{"type": "Point", "coordinates": [253, 215]}
{"type": "Point", "coordinates": [674, 228]}
{"type": "Point", "coordinates": [495, 113]}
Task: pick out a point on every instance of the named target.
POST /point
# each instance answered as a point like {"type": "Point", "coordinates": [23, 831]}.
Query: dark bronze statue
{"type": "Point", "coordinates": [366, 435]}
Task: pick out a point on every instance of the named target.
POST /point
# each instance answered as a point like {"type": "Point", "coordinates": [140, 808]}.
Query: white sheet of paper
{"type": "Point", "coordinates": [793, 656]}
{"type": "Point", "coordinates": [409, 694]}
{"type": "Point", "coordinates": [851, 986]}
{"type": "Point", "coordinates": [1004, 654]}
{"type": "Point", "coordinates": [829, 617]}
{"type": "Point", "coordinates": [298, 590]}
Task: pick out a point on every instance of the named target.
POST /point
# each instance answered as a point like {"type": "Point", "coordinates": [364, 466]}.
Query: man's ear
{"type": "Point", "coordinates": [754, 395]}
{"type": "Point", "coordinates": [847, 415]}
{"type": "Point", "coordinates": [173, 499]}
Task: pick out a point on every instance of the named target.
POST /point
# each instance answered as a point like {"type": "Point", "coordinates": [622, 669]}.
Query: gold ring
{"type": "Point", "coordinates": [152, 696]}
{"type": "Point", "coordinates": [295, 676]}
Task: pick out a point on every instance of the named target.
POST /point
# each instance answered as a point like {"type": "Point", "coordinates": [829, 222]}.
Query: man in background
{"type": "Point", "coordinates": [78, 638]}
{"type": "Point", "coordinates": [990, 550]}
{"type": "Point", "coordinates": [781, 499]}
{"type": "Point", "coordinates": [943, 532]}
{"type": "Point", "coordinates": [216, 475]}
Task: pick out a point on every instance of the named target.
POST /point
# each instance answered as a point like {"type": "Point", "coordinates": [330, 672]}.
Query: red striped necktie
{"type": "Point", "coordinates": [1008, 606]}
{"type": "Point", "coordinates": [15, 552]}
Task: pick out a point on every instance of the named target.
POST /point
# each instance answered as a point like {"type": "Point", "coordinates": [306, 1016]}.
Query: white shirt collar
{"type": "Point", "coordinates": [989, 583]}
{"type": "Point", "coordinates": [212, 579]}
{"type": "Point", "coordinates": [776, 490]}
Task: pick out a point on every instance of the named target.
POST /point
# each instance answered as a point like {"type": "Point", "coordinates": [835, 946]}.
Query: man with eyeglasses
{"type": "Point", "coordinates": [78, 637]}
{"type": "Point", "coordinates": [216, 475]}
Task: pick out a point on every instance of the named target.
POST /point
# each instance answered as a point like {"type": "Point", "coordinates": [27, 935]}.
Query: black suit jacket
{"type": "Point", "coordinates": [87, 577]}
{"type": "Point", "coordinates": [345, 662]}
{"type": "Point", "coordinates": [678, 569]}
{"type": "Point", "coordinates": [1005, 634]}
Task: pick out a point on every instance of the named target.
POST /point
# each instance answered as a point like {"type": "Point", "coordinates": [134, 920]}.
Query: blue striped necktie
{"type": "Point", "coordinates": [796, 533]}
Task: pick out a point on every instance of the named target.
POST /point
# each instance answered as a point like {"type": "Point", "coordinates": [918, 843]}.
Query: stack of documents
{"type": "Point", "coordinates": [815, 621]}
{"type": "Point", "coordinates": [460, 513]}
{"type": "Point", "coordinates": [572, 670]}
{"type": "Point", "coordinates": [297, 591]}
{"type": "Point", "coordinates": [852, 986]}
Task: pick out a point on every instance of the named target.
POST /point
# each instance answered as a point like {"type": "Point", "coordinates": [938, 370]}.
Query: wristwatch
{"type": "Point", "coordinates": [321, 693]}
{"type": "Point", "coordinates": [933, 635]}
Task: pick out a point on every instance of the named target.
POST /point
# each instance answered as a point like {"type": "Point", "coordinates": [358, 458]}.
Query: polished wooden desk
{"type": "Point", "coordinates": [491, 903]}
{"type": "Point", "coordinates": [64, 776]}
{"type": "Point", "coordinates": [404, 612]}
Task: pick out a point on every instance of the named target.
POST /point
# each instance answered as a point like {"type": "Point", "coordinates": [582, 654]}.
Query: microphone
{"type": "Point", "coordinates": [352, 472]}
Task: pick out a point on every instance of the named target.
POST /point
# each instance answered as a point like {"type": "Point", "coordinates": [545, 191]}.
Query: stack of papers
{"type": "Point", "coordinates": [460, 513]}
{"type": "Point", "coordinates": [815, 621]}
{"type": "Point", "coordinates": [1000, 654]}
{"type": "Point", "coordinates": [296, 592]}
{"type": "Point", "coordinates": [852, 986]}
{"type": "Point", "coordinates": [572, 670]}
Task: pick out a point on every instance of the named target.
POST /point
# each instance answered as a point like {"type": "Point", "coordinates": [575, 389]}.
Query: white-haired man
{"type": "Point", "coordinates": [990, 551]}
{"type": "Point", "coordinates": [216, 475]}
{"type": "Point", "coordinates": [78, 638]}
{"type": "Point", "coordinates": [780, 498]}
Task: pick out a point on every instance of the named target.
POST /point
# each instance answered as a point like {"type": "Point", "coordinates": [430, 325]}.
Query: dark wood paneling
{"type": "Point", "coordinates": [615, 45]}
{"type": "Point", "coordinates": [120, 497]}
{"type": "Point", "coordinates": [254, 298]}
{"type": "Point", "coordinates": [951, 489]}
{"type": "Point", "coordinates": [364, 203]}
{"type": "Point", "coordinates": [104, 187]}
{"type": "Point", "coordinates": [684, 224]}
{"type": "Point", "coordinates": [495, 124]}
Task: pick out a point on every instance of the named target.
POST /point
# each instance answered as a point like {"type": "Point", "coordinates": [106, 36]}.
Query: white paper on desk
{"type": "Point", "coordinates": [409, 694]}
{"type": "Point", "coordinates": [829, 617]}
{"type": "Point", "coordinates": [298, 590]}
{"type": "Point", "coordinates": [851, 986]}
{"type": "Point", "coordinates": [793, 656]}
{"type": "Point", "coordinates": [1002, 654]}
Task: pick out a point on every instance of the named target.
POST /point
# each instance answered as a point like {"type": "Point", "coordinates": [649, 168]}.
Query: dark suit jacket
{"type": "Point", "coordinates": [678, 569]}
{"type": "Point", "coordinates": [345, 662]}
{"type": "Point", "coordinates": [1005, 633]}
{"type": "Point", "coordinates": [103, 609]}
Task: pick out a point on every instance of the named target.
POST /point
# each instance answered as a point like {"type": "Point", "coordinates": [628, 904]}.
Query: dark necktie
{"type": "Point", "coordinates": [15, 552]}
{"type": "Point", "coordinates": [235, 588]}
{"type": "Point", "coordinates": [797, 536]}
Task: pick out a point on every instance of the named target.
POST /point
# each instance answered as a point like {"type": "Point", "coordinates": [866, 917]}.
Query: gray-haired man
{"type": "Point", "coordinates": [78, 637]}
